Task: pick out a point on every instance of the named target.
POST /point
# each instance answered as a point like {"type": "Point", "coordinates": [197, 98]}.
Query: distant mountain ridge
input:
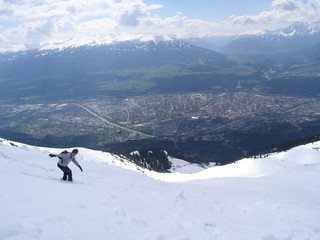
{"type": "Point", "coordinates": [297, 36]}
{"type": "Point", "coordinates": [120, 55]}
{"type": "Point", "coordinates": [294, 37]}
{"type": "Point", "coordinates": [299, 28]}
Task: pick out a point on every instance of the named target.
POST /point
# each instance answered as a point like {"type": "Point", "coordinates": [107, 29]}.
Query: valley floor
{"type": "Point", "coordinates": [275, 198]}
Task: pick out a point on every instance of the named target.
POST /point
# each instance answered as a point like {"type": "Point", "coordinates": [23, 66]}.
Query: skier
{"type": "Point", "coordinates": [64, 159]}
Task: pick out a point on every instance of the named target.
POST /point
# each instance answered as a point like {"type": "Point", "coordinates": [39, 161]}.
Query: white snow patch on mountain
{"type": "Point", "coordinates": [268, 199]}
{"type": "Point", "coordinates": [181, 166]}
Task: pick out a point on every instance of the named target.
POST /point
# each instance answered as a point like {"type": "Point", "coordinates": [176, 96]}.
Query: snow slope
{"type": "Point", "coordinates": [275, 198]}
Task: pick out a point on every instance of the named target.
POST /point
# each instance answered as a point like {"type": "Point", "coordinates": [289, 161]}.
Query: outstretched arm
{"type": "Point", "coordinates": [77, 164]}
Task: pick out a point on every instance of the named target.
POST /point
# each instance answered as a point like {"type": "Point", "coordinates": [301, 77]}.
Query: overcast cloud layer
{"type": "Point", "coordinates": [27, 24]}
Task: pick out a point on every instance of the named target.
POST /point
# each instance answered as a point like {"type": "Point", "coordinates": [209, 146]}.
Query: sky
{"type": "Point", "coordinates": [28, 24]}
{"type": "Point", "coordinates": [211, 10]}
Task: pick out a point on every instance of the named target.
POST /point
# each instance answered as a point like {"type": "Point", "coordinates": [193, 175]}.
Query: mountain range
{"type": "Point", "coordinates": [297, 36]}
{"type": "Point", "coordinates": [293, 51]}
{"type": "Point", "coordinates": [115, 56]}
{"type": "Point", "coordinates": [162, 51]}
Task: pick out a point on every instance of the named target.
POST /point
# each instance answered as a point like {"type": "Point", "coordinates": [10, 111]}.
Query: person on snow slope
{"type": "Point", "coordinates": [64, 159]}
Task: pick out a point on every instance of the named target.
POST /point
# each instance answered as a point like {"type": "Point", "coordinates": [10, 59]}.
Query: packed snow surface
{"type": "Point", "coordinates": [273, 198]}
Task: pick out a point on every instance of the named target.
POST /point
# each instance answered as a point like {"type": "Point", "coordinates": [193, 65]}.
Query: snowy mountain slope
{"type": "Point", "coordinates": [181, 166]}
{"type": "Point", "coordinates": [272, 198]}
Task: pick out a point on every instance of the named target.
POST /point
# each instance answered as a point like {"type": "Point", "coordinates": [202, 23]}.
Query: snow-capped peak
{"type": "Point", "coordinates": [75, 42]}
{"type": "Point", "coordinates": [299, 28]}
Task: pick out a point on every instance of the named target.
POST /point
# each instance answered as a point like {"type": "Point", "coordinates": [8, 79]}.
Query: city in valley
{"type": "Point", "coordinates": [202, 116]}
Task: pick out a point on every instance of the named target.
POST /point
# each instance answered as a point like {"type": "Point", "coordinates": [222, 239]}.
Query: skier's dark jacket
{"type": "Point", "coordinates": [66, 158]}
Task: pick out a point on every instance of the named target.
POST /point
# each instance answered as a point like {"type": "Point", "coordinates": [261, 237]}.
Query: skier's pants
{"type": "Point", "coordinates": [67, 173]}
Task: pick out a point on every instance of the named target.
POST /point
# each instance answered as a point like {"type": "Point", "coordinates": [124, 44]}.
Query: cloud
{"type": "Point", "coordinates": [287, 5]}
{"type": "Point", "coordinates": [131, 15]}
{"type": "Point", "coordinates": [284, 12]}
{"type": "Point", "coordinates": [130, 18]}
{"type": "Point", "coordinates": [42, 23]}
